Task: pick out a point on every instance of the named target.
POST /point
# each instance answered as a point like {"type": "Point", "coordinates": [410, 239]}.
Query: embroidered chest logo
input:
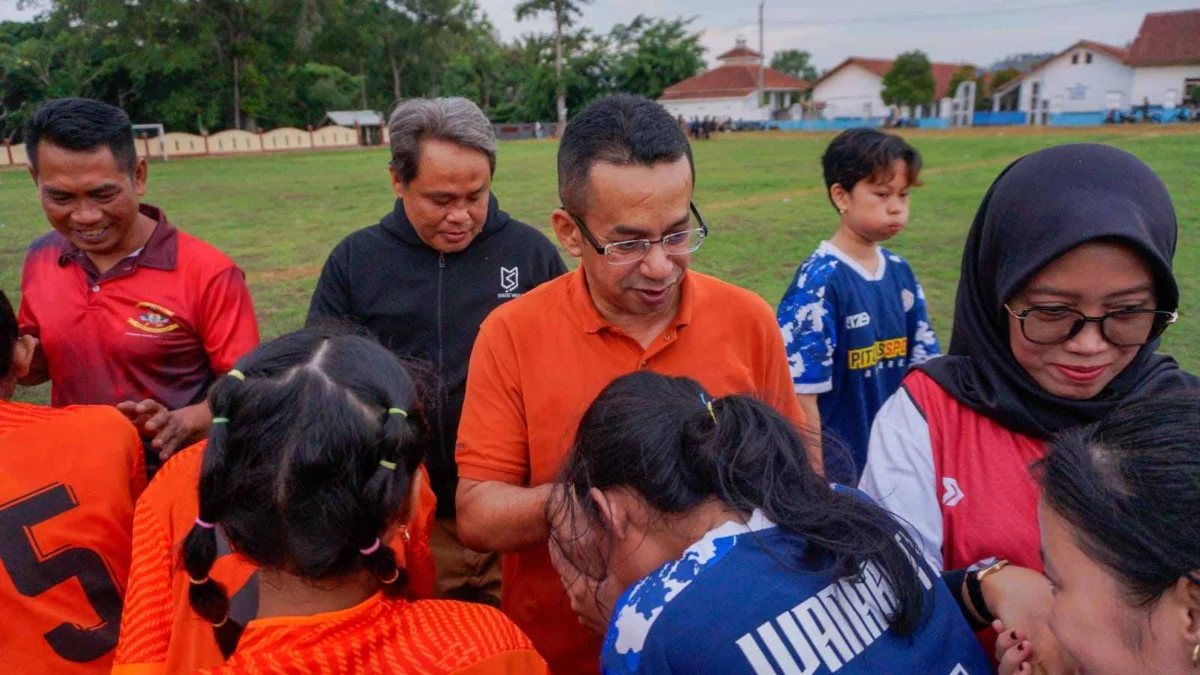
{"type": "Point", "coordinates": [151, 318]}
{"type": "Point", "coordinates": [509, 280]}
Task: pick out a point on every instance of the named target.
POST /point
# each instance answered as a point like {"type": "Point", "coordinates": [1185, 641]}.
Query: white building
{"type": "Point", "coordinates": [1087, 77]}
{"type": "Point", "coordinates": [854, 88]}
{"type": "Point", "coordinates": [731, 90]}
{"type": "Point", "coordinates": [1166, 59]}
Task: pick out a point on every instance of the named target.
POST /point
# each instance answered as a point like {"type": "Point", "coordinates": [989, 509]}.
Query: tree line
{"type": "Point", "coordinates": [206, 65]}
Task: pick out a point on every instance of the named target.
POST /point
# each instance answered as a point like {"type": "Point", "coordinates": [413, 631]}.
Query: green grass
{"type": "Point", "coordinates": [279, 215]}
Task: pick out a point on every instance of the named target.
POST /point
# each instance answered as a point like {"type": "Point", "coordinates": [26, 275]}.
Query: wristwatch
{"type": "Point", "coordinates": [973, 588]}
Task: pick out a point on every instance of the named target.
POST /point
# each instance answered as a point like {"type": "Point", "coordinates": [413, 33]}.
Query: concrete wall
{"type": "Point", "coordinates": [1158, 83]}
{"type": "Point", "coordinates": [334, 137]}
{"type": "Point", "coordinates": [853, 91]}
{"type": "Point", "coordinates": [286, 138]}
{"type": "Point", "coordinates": [233, 141]}
{"type": "Point", "coordinates": [183, 145]}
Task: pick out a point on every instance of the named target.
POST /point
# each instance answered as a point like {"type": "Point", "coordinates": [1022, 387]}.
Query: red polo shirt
{"type": "Point", "coordinates": [161, 324]}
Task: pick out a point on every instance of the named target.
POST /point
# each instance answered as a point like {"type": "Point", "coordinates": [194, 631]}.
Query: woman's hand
{"type": "Point", "coordinates": [1020, 598]}
{"type": "Point", "coordinates": [1013, 651]}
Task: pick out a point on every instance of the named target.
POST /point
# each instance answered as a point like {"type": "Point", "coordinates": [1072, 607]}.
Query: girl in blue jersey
{"type": "Point", "coordinates": [696, 530]}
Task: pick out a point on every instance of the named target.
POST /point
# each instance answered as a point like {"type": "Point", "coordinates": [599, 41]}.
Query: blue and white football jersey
{"type": "Point", "coordinates": [735, 605]}
{"type": "Point", "coordinates": [850, 337]}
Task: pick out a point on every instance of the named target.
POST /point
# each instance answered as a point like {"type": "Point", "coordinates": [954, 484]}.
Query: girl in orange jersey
{"type": "Point", "coordinates": [310, 469]}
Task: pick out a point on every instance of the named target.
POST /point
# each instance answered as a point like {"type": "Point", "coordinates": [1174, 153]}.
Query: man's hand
{"type": "Point", "coordinates": [170, 430]}
{"type": "Point", "coordinates": [35, 371]}
{"type": "Point", "coordinates": [1020, 598]}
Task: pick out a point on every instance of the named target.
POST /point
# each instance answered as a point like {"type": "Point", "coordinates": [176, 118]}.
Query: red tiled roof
{"type": "Point", "coordinates": [942, 72]}
{"type": "Point", "coordinates": [732, 81]}
{"type": "Point", "coordinates": [740, 52]}
{"type": "Point", "coordinates": [1167, 39]}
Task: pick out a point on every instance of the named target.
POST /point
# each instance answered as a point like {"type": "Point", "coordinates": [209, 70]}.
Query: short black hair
{"type": "Point", "coordinates": [867, 154]}
{"type": "Point", "coordinates": [8, 334]}
{"type": "Point", "coordinates": [82, 125]}
{"type": "Point", "coordinates": [624, 130]}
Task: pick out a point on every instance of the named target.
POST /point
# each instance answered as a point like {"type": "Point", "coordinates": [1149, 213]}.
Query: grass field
{"type": "Point", "coordinates": [279, 215]}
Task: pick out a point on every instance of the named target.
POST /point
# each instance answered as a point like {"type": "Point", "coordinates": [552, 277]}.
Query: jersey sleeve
{"type": "Point", "coordinates": [229, 329]}
{"type": "Point", "coordinates": [27, 321]}
{"type": "Point", "coordinates": [807, 318]}
{"type": "Point", "coordinates": [899, 474]}
{"type": "Point", "coordinates": [331, 298]}
{"type": "Point", "coordinates": [146, 620]}
{"type": "Point", "coordinates": [922, 341]}
{"type": "Point", "coordinates": [493, 442]}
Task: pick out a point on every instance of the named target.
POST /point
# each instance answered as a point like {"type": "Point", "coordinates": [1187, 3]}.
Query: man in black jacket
{"type": "Point", "coordinates": [425, 277]}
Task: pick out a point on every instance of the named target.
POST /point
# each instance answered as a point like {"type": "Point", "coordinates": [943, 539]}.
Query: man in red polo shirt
{"type": "Point", "coordinates": [128, 310]}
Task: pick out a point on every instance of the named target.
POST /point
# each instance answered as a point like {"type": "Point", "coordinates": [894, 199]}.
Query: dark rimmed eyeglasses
{"type": "Point", "coordinates": [1123, 328]}
{"type": "Point", "coordinates": [634, 250]}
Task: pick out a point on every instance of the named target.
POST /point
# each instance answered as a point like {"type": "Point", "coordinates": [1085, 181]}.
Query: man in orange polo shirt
{"type": "Point", "coordinates": [68, 481]}
{"type": "Point", "coordinates": [128, 310]}
{"type": "Point", "coordinates": [625, 178]}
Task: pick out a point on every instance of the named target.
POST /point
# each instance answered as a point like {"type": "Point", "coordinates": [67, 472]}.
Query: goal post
{"type": "Point", "coordinates": [149, 139]}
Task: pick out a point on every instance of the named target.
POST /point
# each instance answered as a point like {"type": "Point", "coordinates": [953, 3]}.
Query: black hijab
{"type": "Point", "coordinates": [1042, 206]}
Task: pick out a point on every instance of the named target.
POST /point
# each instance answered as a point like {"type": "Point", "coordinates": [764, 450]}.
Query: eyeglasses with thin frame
{"type": "Point", "coordinates": [634, 250]}
{"type": "Point", "coordinates": [1043, 325]}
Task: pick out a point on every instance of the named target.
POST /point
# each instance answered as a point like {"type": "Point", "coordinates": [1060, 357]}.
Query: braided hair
{"type": "Point", "coordinates": [309, 462]}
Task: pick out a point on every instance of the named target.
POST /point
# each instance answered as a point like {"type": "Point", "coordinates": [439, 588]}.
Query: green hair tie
{"type": "Point", "coordinates": [237, 375]}
{"type": "Point", "coordinates": [398, 411]}
{"type": "Point", "coordinates": [390, 466]}
{"type": "Point", "coordinates": [220, 420]}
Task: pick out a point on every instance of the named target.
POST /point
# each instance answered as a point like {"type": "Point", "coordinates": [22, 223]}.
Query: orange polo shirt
{"type": "Point", "coordinates": [541, 360]}
{"type": "Point", "coordinates": [159, 631]}
{"type": "Point", "coordinates": [68, 481]}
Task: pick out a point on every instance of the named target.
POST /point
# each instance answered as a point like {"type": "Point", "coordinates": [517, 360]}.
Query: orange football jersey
{"type": "Point", "coordinates": [382, 635]}
{"type": "Point", "coordinates": [69, 479]}
{"type": "Point", "coordinates": [159, 631]}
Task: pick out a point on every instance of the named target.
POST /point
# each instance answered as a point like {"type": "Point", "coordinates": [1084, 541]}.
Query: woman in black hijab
{"type": "Point", "coordinates": [1066, 285]}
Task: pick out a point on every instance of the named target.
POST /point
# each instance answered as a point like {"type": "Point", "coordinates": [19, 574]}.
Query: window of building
{"type": "Point", "coordinates": [1089, 57]}
{"type": "Point", "coordinates": [1075, 59]}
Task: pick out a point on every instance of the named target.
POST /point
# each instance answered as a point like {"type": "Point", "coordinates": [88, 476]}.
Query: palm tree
{"type": "Point", "coordinates": [563, 11]}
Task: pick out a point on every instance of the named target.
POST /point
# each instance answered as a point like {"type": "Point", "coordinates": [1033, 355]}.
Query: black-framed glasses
{"type": "Point", "coordinates": [1123, 328]}
{"type": "Point", "coordinates": [632, 251]}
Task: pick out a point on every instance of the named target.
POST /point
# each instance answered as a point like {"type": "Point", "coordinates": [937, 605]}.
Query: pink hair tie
{"type": "Point", "coordinates": [204, 524]}
{"type": "Point", "coordinates": [372, 548]}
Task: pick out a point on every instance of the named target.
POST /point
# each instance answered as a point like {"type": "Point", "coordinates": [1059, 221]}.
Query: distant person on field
{"type": "Point", "coordinates": [854, 317]}
{"type": "Point", "coordinates": [425, 277]}
{"type": "Point", "coordinates": [127, 309]}
{"type": "Point", "coordinates": [68, 481]}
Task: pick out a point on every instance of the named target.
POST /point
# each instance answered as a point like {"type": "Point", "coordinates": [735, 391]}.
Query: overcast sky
{"type": "Point", "coordinates": [978, 32]}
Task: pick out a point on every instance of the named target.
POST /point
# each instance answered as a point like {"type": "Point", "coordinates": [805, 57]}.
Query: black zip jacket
{"type": "Point", "coordinates": [427, 306]}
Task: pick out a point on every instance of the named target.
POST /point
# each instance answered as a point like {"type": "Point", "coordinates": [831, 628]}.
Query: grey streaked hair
{"type": "Point", "coordinates": [456, 119]}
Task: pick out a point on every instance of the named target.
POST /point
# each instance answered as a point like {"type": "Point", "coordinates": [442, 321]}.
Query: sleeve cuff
{"type": "Point", "coordinates": [484, 473]}
{"type": "Point", "coordinates": [818, 388]}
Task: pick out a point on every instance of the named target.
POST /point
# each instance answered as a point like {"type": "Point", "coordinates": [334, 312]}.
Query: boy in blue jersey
{"type": "Point", "coordinates": [854, 317]}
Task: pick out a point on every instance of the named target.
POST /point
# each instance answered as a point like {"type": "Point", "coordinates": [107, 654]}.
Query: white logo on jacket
{"type": "Point", "coordinates": [907, 297]}
{"type": "Point", "coordinates": [508, 278]}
